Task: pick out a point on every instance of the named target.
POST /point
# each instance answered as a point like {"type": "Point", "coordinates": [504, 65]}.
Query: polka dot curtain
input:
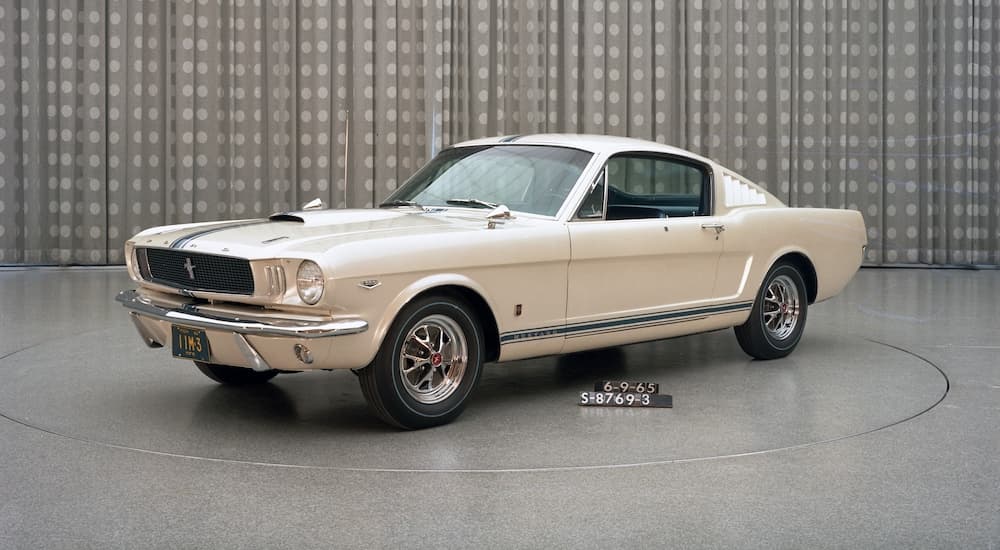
{"type": "Point", "coordinates": [117, 115]}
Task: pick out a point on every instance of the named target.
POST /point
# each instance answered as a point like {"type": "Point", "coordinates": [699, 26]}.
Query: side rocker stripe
{"type": "Point", "coordinates": [623, 323]}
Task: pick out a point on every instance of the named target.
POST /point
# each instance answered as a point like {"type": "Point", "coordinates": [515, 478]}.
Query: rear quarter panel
{"type": "Point", "coordinates": [756, 237]}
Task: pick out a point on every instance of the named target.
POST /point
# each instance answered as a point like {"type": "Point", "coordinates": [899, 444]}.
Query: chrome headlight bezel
{"type": "Point", "coordinates": [310, 282]}
{"type": "Point", "coordinates": [132, 262]}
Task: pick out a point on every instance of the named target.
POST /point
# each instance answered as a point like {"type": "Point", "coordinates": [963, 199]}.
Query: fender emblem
{"type": "Point", "coordinates": [370, 283]}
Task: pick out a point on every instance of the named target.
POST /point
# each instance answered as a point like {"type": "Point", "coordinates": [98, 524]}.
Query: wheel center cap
{"type": "Point", "coordinates": [436, 359]}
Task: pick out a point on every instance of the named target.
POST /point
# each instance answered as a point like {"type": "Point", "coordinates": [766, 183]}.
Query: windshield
{"type": "Point", "coordinates": [527, 178]}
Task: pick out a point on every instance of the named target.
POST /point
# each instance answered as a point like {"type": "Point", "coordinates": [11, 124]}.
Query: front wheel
{"type": "Point", "coordinates": [234, 376]}
{"type": "Point", "coordinates": [428, 364]}
{"type": "Point", "coordinates": [778, 316]}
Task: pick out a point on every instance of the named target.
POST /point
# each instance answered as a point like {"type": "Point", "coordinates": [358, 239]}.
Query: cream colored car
{"type": "Point", "coordinates": [498, 249]}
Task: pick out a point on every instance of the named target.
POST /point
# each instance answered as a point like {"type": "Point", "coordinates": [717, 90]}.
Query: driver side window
{"type": "Point", "coordinates": [649, 186]}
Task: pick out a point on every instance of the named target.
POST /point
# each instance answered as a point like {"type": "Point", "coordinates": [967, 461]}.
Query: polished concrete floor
{"type": "Point", "coordinates": [881, 430]}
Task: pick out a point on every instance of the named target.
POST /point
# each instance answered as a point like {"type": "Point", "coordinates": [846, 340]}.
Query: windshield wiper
{"type": "Point", "coordinates": [472, 202]}
{"type": "Point", "coordinates": [393, 204]}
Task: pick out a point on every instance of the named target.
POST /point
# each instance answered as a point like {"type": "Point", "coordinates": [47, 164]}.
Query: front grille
{"type": "Point", "coordinates": [195, 271]}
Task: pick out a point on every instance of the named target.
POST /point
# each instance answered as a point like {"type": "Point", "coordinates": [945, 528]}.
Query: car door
{"type": "Point", "coordinates": [645, 249]}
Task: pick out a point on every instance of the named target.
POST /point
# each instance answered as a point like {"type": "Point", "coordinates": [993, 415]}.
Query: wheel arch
{"type": "Point", "coordinates": [806, 268]}
{"type": "Point", "coordinates": [457, 287]}
{"type": "Point", "coordinates": [481, 309]}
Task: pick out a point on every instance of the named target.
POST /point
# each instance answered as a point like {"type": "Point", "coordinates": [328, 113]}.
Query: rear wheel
{"type": "Point", "coordinates": [778, 316]}
{"type": "Point", "coordinates": [428, 364]}
{"type": "Point", "coordinates": [234, 376]}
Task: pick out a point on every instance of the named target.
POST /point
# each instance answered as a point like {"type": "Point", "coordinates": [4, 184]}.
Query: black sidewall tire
{"type": "Point", "coordinates": [382, 382]}
{"type": "Point", "coordinates": [754, 337]}
{"type": "Point", "coordinates": [789, 343]}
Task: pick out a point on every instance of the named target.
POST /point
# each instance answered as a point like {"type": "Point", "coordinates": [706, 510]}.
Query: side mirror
{"type": "Point", "coordinates": [498, 216]}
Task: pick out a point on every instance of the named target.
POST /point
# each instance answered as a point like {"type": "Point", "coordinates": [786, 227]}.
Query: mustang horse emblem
{"type": "Point", "coordinates": [189, 267]}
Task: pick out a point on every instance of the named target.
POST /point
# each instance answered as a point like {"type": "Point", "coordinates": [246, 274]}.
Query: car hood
{"type": "Point", "coordinates": [295, 234]}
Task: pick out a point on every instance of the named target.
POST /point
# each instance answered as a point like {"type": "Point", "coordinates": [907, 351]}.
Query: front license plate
{"type": "Point", "coordinates": [189, 343]}
{"type": "Point", "coordinates": [617, 399]}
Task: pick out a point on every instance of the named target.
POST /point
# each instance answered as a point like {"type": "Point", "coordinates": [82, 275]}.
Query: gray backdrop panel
{"type": "Point", "coordinates": [116, 115]}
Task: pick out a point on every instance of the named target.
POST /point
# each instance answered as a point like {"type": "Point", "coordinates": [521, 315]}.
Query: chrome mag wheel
{"type": "Point", "coordinates": [778, 315]}
{"type": "Point", "coordinates": [433, 358]}
{"type": "Point", "coordinates": [781, 307]}
{"type": "Point", "coordinates": [428, 364]}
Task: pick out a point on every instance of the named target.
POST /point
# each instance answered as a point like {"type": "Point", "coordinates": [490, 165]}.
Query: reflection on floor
{"type": "Point", "coordinates": [853, 416]}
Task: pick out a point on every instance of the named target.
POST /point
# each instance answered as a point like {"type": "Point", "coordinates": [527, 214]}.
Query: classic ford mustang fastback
{"type": "Point", "coordinates": [498, 249]}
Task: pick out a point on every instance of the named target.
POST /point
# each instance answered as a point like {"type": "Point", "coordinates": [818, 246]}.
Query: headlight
{"type": "Point", "coordinates": [310, 282]}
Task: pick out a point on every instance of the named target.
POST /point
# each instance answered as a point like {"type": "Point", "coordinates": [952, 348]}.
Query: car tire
{"type": "Point", "coordinates": [778, 316]}
{"type": "Point", "coordinates": [428, 365]}
{"type": "Point", "coordinates": [234, 376]}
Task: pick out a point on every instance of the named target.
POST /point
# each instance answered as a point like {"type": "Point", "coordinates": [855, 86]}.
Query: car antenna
{"type": "Point", "coordinates": [347, 150]}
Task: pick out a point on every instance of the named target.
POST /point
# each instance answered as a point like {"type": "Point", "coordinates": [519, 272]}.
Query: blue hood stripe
{"type": "Point", "coordinates": [181, 242]}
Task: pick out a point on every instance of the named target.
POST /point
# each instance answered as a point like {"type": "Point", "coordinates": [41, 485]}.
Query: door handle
{"type": "Point", "coordinates": [718, 227]}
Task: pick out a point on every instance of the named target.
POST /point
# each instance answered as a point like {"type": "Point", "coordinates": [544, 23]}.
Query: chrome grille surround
{"type": "Point", "coordinates": [197, 272]}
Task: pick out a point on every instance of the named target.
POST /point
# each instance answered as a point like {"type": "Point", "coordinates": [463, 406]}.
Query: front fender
{"type": "Point", "coordinates": [418, 287]}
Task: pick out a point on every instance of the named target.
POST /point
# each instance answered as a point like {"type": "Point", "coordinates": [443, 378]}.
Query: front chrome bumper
{"type": "Point", "coordinates": [192, 316]}
{"type": "Point", "coordinates": [232, 336]}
